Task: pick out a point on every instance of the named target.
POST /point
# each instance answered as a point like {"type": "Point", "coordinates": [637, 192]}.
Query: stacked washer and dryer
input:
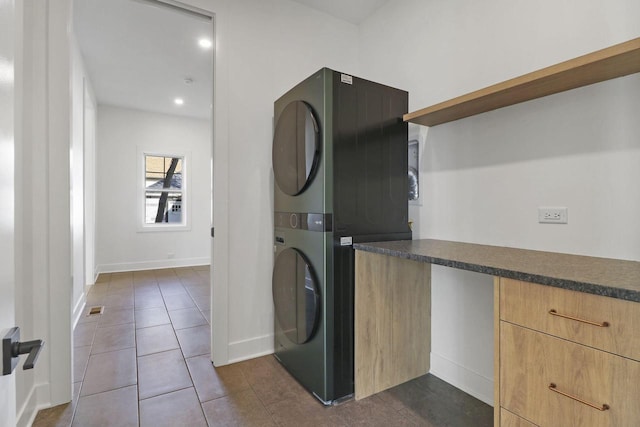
{"type": "Point", "coordinates": [340, 169]}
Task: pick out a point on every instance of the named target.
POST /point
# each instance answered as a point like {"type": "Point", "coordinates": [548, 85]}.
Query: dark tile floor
{"type": "Point", "coordinates": [146, 362]}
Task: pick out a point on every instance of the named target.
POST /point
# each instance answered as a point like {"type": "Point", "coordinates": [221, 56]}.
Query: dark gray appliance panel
{"type": "Point", "coordinates": [369, 158]}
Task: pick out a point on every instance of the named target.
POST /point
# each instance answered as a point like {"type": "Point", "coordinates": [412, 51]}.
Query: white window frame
{"type": "Point", "coordinates": [185, 224]}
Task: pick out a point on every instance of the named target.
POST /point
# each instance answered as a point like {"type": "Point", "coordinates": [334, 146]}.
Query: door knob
{"type": "Point", "coordinates": [12, 348]}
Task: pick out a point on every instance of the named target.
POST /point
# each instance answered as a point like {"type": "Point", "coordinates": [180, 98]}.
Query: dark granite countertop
{"type": "Point", "coordinates": [601, 276]}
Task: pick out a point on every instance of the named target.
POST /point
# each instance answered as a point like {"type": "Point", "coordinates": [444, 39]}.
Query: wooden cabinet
{"type": "Point", "coordinates": [572, 367]}
{"type": "Point", "coordinates": [562, 358]}
{"type": "Point", "coordinates": [392, 322]}
{"type": "Point", "coordinates": [605, 323]}
{"type": "Point", "coordinates": [511, 420]}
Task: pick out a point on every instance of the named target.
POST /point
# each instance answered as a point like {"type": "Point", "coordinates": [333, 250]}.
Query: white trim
{"type": "Point", "coordinates": [79, 307]}
{"type": "Point", "coordinates": [38, 394]}
{"type": "Point", "coordinates": [461, 377]}
{"type": "Point", "coordinates": [59, 250]}
{"type": "Point", "coordinates": [162, 228]}
{"type": "Point", "coordinates": [251, 348]}
{"type": "Point", "coordinates": [27, 413]}
{"type": "Point", "coordinates": [151, 265]}
{"type": "Point", "coordinates": [220, 189]}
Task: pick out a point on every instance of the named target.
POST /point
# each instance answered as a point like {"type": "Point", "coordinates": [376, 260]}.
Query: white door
{"type": "Point", "coordinates": [7, 191]}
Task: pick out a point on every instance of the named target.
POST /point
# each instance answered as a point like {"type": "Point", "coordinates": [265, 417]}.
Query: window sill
{"type": "Point", "coordinates": [153, 228]}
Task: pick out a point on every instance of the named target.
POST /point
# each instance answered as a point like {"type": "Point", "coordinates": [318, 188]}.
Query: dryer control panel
{"type": "Point", "coordinates": [303, 221]}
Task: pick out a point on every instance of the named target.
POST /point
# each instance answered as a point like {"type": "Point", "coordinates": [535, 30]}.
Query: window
{"type": "Point", "coordinates": [164, 191]}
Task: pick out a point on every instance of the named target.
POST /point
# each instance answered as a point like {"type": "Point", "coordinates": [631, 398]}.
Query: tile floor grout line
{"type": "Point", "coordinates": [137, 371]}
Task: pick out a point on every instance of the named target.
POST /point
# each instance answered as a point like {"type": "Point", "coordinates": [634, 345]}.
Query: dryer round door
{"type": "Point", "coordinates": [296, 148]}
{"type": "Point", "coordinates": [296, 296]}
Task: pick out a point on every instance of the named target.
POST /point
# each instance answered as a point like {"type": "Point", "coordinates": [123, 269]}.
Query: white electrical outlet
{"type": "Point", "coordinates": [552, 215]}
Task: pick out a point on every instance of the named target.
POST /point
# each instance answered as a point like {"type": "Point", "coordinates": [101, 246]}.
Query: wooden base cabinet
{"type": "Point", "coordinates": [565, 380]}
{"type": "Point", "coordinates": [392, 322]}
{"type": "Point", "coordinates": [509, 419]}
{"type": "Point", "coordinates": [554, 382]}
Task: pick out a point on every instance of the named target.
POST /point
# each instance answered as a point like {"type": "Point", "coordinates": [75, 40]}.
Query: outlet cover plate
{"type": "Point", "coordinates": [552, 215]}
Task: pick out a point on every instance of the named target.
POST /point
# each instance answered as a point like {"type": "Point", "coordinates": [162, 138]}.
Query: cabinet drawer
{"type": "Point", "coordinates": [530, 362]}
{"type": "Point", "coordinates": [572, 315]}
{"type": "Point", "coordinates": [507, 419]}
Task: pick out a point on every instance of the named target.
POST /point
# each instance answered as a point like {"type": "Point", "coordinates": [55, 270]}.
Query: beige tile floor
{"type": "Point", "coordinates": [146, 362]}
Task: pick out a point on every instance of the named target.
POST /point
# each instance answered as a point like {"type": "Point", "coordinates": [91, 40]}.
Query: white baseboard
{"type": "Point", "coordinates": [79, 308]}
{"type": "Point", "coordinates": [38, 394]}
{"type": "Point", "coordinates": [461, 377]}
{"type": "Point", "coordinates": [251, 348]}
{"type": "Point", "coordinates": [27, 413]}
{"type": "Point", "coordinates": [151, 265]}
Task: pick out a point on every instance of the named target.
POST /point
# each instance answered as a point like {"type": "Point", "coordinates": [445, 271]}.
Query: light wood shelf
{"type": "Point", "coordinates": [615, 61]}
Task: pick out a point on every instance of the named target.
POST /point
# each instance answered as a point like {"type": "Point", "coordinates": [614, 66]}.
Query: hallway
{"type": "Point", "coordinates": [145, 361]}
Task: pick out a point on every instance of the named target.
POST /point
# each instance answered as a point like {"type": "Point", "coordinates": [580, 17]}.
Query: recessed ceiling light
{"type": "Point", "coordinates": [205, 43]}
{"type": "Point", "coordinates": [178, 101]}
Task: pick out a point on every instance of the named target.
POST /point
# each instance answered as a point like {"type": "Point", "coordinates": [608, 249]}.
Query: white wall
{"type": "Point", "coordinates": [119, 244]}
{"type": "Point", "coordinates": [482, 178]}
{"type": "Point", "coordinates": [263, 48]}
{"type": "Point", "coordinates": [272, 45]}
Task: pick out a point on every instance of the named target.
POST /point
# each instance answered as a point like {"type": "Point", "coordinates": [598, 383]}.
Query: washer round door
{"type": "Point", "coordinates": [296, 296]}
{"type": "Point", "coordinates": [296, 148]}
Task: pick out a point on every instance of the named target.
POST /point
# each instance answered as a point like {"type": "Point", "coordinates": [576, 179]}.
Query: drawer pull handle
{"type": "Point", "coordinates": [603, 407]}
{"type": "Point", "coordinates": [601, 324]}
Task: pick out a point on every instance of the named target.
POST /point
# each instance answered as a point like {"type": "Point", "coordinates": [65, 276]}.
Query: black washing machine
{"type": "Point", "coordinates": [340, 169]}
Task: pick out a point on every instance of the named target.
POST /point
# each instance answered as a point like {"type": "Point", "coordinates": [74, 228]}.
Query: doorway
{"type": "Point", "coordinates": [149, 66]}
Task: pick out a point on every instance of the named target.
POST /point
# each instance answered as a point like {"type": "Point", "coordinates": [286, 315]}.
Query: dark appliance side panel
{"type": "Point", "coordinates": [341, 325]}
{"type": "Point", "coordinates": [369, 158]}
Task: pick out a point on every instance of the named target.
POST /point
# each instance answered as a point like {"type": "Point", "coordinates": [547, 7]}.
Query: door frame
{"type": "Point", "coordinates": [58, 126]}
{"type": "Point", "coordinates": [9, 29]}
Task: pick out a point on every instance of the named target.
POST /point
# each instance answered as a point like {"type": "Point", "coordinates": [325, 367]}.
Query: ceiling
{"type": "Point", "coordinates": [139, 55]}
{"type": "Point", "coordinates": [142, 54]}
{"type": "Point", "coordinates": [354, 11]}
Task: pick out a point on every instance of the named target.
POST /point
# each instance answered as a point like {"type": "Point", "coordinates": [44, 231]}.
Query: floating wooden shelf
{"type": "Point", "coordinates": [615, 61]}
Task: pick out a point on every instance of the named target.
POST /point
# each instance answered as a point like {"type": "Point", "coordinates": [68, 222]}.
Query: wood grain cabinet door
{"type": "Point", "coordinates": [507, 419]}
{"type": "Point", "coordinates": [605, 323]}
{"type": "Point", "coordinates": [554, 382]}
